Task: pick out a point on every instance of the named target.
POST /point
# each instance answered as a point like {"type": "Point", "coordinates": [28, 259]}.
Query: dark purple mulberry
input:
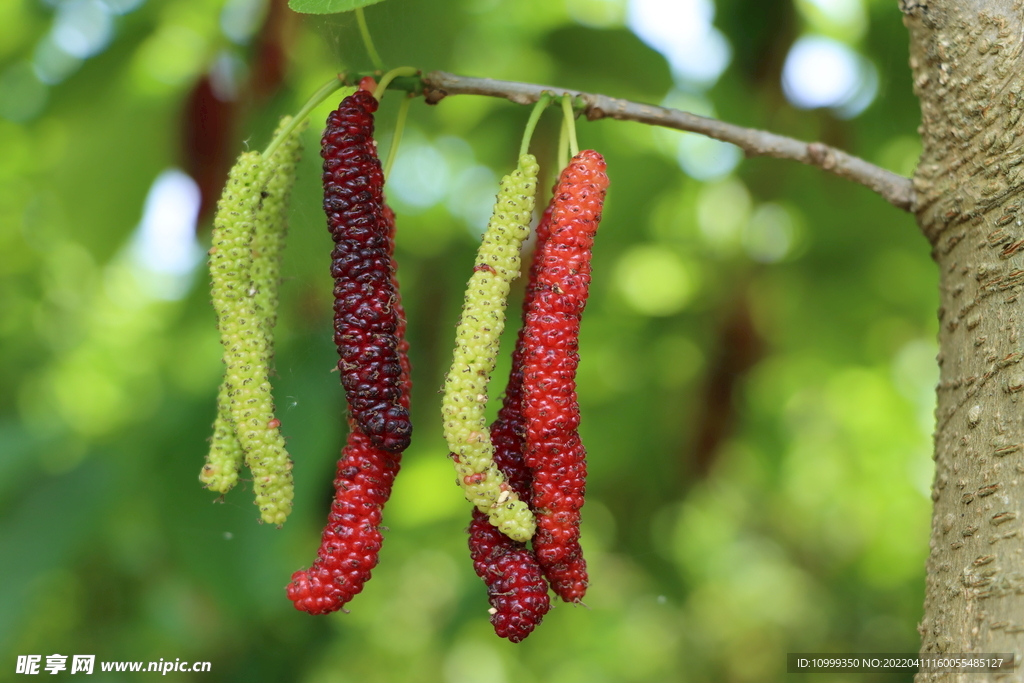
{"type": "Point", "coordinates": [516, 588]}
{"type": "Point", "coordinates": [365, 317]}
{"type": "Point", "coordinates": [351, 541]}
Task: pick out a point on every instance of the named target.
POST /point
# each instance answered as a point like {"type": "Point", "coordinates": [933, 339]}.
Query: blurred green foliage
{"type": "Point", "coordinates": [756, 379]}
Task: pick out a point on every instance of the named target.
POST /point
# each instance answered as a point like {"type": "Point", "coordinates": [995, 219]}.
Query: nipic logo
{"type": "Point", "coordinates": [86, 664]}
{"type": "Point", "coordinates": [80, 664]}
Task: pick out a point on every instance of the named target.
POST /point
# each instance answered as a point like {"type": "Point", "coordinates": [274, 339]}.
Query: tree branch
{"type": "Point", "coordinates": [896, 189]}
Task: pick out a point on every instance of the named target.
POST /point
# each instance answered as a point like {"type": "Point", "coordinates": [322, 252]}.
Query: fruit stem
{"type": "Point", "coordinates": [319, 96]}
{"type": "Point", "coordinates": [403, 110]}
{"type": "Point", "coordinates": [364, 30]}
{"type": "Point", "coordinates": [531, 123]}
{"type": "Point", "coordinates": [563, 146]}
{"type": "Point", "coordinates": [386, 79]}
{"type": "Point", "coordinates": [570, 122]}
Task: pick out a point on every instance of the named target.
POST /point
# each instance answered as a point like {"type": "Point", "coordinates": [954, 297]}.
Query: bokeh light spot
{"type": "Point", "coordinates": [52, 63]}
{"type": "Point", "coordinates": [420, 176]}
{"type": "Point", "coordinates": [821, 72]}
{"type": "Point", "coordinates": [704, 158]}
{"type": "Point", "coordinates": [165, 242]}
{"type": "Point", "coordinates": [681, 31]}
{"type": "Point", "coordinates": [240, 19]}
{"type": "Point", "coordinates": [723, 210]}
{"type": "Point", "coordinates": [770, 234]}
{"type": "Point", "coordinates": [173, 55]}
{"type": "Point", "coordinates": [83, 28]}
{"type": "Point", "coordinates": [654, 280]}
{"type": "Point", "coordinates": [597, 13]}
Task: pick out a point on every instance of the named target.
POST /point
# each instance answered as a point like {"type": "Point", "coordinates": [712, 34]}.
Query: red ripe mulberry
{"type": "Point", "coordinates": [515, 586]}
{"type": "Point", "coordinates": [509, 429]}
{"type": "Point", "coordinates": [365, 319]}
{"type": "Point", "coordinates": [351, 541]}
{"type": "Point", "coordinates": [554, 452]}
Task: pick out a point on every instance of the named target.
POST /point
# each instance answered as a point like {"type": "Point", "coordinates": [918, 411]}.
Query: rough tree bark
{"type": "Point", "coordinates": [966, 57]}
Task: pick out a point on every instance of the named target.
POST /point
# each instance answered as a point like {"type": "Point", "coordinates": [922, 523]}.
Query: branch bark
{"type": "Point", "coordinates": [896, 189]}
{"type": "Point", "coordinates": [966, 57]}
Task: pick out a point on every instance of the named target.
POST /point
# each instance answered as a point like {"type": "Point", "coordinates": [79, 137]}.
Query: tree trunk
{"type": "Point", "coordinates": [966, 57]}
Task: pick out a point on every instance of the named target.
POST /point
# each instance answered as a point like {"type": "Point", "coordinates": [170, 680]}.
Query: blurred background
{"type": "Point", "coordinates": [757, 358]}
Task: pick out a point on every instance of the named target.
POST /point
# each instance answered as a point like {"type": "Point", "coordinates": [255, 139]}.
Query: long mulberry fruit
{"type": "Point", "coordinates": [229, 290]}
{"type": "Point", "coordinates": [554, 452]}
{"type": "Point", "coordinates": [248, 237]}
{"type": "Point", "coordinates": [351, 540]}
{"type": "Point", "coordinates": [365, 321]}
{"type": "Point", "coordinates": [252, 404]}
{"type": "Point", "coordinates": [476, 347]}
{"type": "Point", "coordinates": [515, 583]}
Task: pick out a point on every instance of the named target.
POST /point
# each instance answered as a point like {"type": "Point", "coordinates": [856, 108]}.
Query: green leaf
{"type": "Point", "coordinates": [328, 6]}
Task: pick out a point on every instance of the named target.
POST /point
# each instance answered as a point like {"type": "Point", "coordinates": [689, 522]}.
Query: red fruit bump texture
{"type": "Point", "coordinates": [516, 587]}
{"type": "Point", "coordinates": [508, 431]}
{"type": "Point", "coordinates": [365, 317]}
{"type": "Point", "coordinates": [554, 453]}
{"type": "Point", "coordinates": [351, 540]}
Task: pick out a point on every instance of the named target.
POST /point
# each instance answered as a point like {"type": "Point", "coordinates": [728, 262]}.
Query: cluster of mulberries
{"type": "Point", "coordinates": [365, 319]}
{"type": "Point", "coordinates": [516, 587]}
{"type": "Point", "coordinates": [525, 474]}
{"type": "Point", "coordinates": [536, 443]}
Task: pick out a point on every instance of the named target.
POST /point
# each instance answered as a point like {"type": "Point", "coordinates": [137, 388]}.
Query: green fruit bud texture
{"type": "Point", "coordinates": [245, 264]}
{"type": "Point", "coordinates": [220, 473]}
{"type": "Point", "coordinates": [277, 178]}
{"type": "Point", "coordinates": [229, 274]}
{"type": "Point", "coordinates": [477, 340]}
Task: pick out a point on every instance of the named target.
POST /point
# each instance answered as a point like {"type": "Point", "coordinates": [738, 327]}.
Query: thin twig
{"type": "Point", "coordinates": [896, 189]}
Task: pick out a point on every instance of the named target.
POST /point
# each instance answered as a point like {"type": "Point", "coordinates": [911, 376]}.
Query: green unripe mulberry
{"type": "Point", "coordinates": [252, 405]}
{"type": "Point", "coordinates": [271, 226]}
{"type": "Point", "coordinates": [476, 347]}
{"type": "Point", "coordinates": [245, 265]}
{"type": "Point", "coordinates": [230, 256]}
{"type": "Point", "coordinates": [224, 459]}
